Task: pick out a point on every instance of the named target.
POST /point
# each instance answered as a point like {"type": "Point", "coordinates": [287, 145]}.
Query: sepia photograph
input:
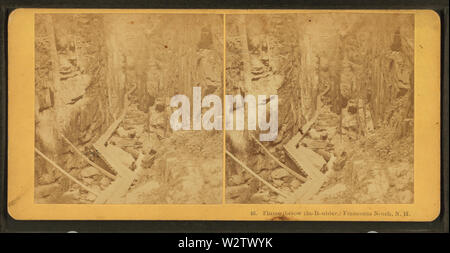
{"type": "Point", "coordinates": [224, 115]}
{"type": "Point", "coordinates": [344, 84]}
{"type": "Point", "coordinates": [103, 88]}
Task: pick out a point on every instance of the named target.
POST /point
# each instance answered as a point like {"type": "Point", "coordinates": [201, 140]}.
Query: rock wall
{"type": "Point", "coordinates": [78, 90]}
{"type": "Point", "coordinates": [94, 71]}
{"type": "Point", "coordinates": [329, 71]}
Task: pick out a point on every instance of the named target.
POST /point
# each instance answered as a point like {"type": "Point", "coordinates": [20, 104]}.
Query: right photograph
{"type": "Point", "coordinates": [342, 123]}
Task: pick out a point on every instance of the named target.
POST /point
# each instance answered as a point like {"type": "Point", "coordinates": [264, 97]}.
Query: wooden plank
{"type": "Point", "coordinates": [307, 190]}
{"type": "Point", "coordinates": [306, 159]}
{"type": "Point", "coordinates": [118, 159]}
{"type": "Point", "coordinates": [106, 173]}
{"type": "Point", "coordinates": [122, 187]}
{"type": "Point", "coordinates": [311, 163]}
{"type": "Point", "coordinates": [121, 181]}
{"type": "Point", "coordinates": [292, 172]}
{"type": "Point", "coordinates": [119, 188]}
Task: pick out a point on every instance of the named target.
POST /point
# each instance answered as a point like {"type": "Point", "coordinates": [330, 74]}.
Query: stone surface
{"type": "Point", "coordinates": [87, 180]}
{"type": "Point", "coordinates": [295, 183]}
{"type": "Point", "coordinates": [89, 172]}
{"type": "Point", "coordinates": [237, 179]}
{"type": "Point", "coordinates": [279, 173]}
{"type": "Point", "coordinates": [332, 191]}
{"type": "Point", "coordinates": [406, 197]}
{"type": "Point", "coordinates": [45, 190]}
{"type": "Point", "coordinates": [47, 178]}
{"type": "Point", "coordinates": [278, 182]}
{"type": "Point", "coordinates": [260, 197]}
{"type": "Point", "coordinates": [105, 181]}
{"type": "Point", "coordinates": [90, 196]}
{"type": "Point", "coordinates": [236, 191]}
{"type": "Point", "coordinates": [308, 160]}
{"type": "Point", "coordinates": [122, 132]}
{"type": "Point", "coordinates": [73, 194]}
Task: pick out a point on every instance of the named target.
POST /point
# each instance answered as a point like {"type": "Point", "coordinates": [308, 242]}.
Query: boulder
{"type": "Point", "coordinates": [265, 174]}
{"type": "Point", "coordinates": [314, 134]}
{"type": "Point", "coordinates": [358, 165]}
{"type": "Point", "coordinates": [75, 172]}
{"type": "Point", "coordinates": [332, 191]}
{"type": "Point", "coordinates": [96, 188]}
{"type": "Point", "coordinates": [237, 179]}
{"type": "Point", "coordinates": [105, 181]}
{"type": "Point", "coordinates": [72, 195]}
{"type": "Point", "coordinates": [236, 191]}
{"type": "Point", "coordinates": [90, 196]}
{"type": "Point", "coordinates": [406, 197]}
{"type": "Point", "coordinates": [88, 180]}
{"type": "Point", "coordinates": [260, 197]}
{"type": "Point", "coordinates": [278, 182]}
{"type": "Point", "coordinates": [89, 172]}
{"type": "Point", "coordinates": [295, 183]}
{"type": "Point", "coordinates": [279, 173]}
{"type": "Point", "coordinates": [46, 178]}
{"type": "Point", "coordinates": [401, 175]}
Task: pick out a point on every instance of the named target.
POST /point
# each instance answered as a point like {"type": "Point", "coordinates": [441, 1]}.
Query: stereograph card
{"type": "Point", "coordinates": [302, 115]}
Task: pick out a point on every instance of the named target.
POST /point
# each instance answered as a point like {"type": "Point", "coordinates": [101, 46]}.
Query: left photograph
{"type": "Point", "coordinates": [103, 89]}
